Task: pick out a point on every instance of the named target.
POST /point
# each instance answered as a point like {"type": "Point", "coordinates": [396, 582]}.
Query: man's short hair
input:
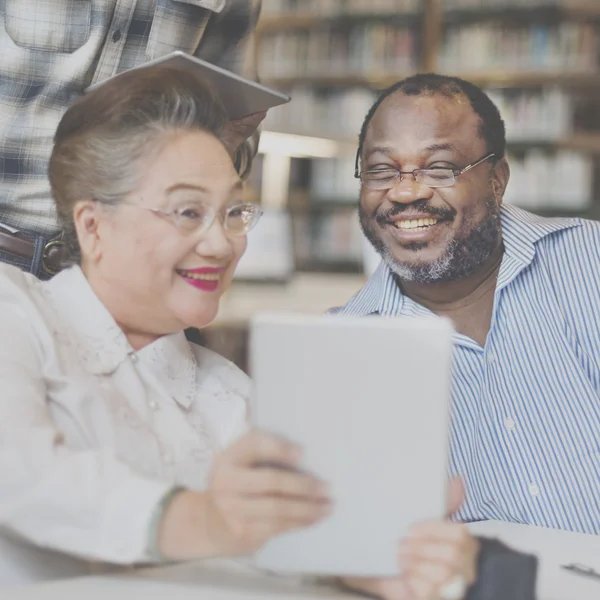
{"type": "Point", "coordinates": [491, 126]}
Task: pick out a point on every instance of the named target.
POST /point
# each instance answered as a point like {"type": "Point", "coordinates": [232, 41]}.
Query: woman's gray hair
{"type": "Point", "coordinates": [106, 137]}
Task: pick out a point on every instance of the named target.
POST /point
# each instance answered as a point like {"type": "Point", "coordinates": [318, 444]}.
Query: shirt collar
{"type": "Point", "coordinates": [173, 363]}
{"type": "Point", "coordinates": [86, 324]}
{"type": "Point", "coordinates": [521, 231]}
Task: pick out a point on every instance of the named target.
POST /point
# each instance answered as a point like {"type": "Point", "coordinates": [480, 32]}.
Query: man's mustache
{"type": "Point", "coordinates": [383, 217]}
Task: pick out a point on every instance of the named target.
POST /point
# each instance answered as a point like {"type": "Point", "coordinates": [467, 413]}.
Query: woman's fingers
{"type": "Point", "coordinates": [279, 511]}
{"type": "Point", "coordinates": [256, 448]}
{"type": "Point", "coordinates": [279, 482]}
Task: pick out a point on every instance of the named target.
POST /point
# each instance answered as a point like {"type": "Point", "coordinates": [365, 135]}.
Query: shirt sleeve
{"type": "Point", "coordinates": [85, 503]}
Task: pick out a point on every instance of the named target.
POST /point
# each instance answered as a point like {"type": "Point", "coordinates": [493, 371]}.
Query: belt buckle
{"type": "Point", "coordinates": [48, 251]}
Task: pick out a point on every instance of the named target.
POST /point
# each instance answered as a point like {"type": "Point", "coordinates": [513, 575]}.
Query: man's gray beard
{"type": "Point", "coordinates": [435, 272]}
{"type": "Point", "coordinates": [459, 260]}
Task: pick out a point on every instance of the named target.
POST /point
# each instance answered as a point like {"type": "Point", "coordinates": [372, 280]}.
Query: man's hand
{"type": "Point", "coordinates": [238, 131]}
{"type": "Point", "coordinates": [433, 555]}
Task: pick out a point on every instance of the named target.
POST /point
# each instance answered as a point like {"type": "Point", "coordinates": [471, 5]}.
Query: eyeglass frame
{"type": "Point", "coordinates": [169, 214]}
{"type": "Point", "coordinates": [456, 172]}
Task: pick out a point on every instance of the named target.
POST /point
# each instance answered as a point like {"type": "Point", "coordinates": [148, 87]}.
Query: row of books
{"type": "Point", "coordinates": [544, 114]}
{"type": "Point", "coordinates": [337, 7]}
{"type": "Point", "coordinates": [332, 179]}
{"type": "Point", "coordinates": [336, 114]}
{"type": "Point", "coordinates": [322, 239]}
{"type": "Point", "coordinates": [567, 46]}
{"type": "Point", "coordinates": [500, 4]}
{"type": "Point", "coordinates": [561, 181]}
{"type": "Point", "coordinates": [378, 48]}
{"type": "Point", "coordinates": [537, 115]}
{"type": "Point", "coordinates": [364, 49]}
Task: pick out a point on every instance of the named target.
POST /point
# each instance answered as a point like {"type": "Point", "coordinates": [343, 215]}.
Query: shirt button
{"type": "Point", "coordinates": [116, 36]}
{"type": "Point", "coordinates": [509, 424]}
{"type": "Point", "coordinates": [153, 405]}
{"type": "Point", "coordinates": [491, 357]}
{"type": "Point", "coordinates": [534, 490]}
{"type": "Point", "coordinates": [134, 357]}
{"type": "Point", "coordinates": [167, 458]}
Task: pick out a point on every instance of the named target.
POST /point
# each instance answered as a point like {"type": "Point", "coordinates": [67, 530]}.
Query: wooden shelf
{"type": "Point", "coordinates": [492, 78]}
{"type": "Point", "coordinates": [525, 14]}
{"type": "Point", "coordinates": [303, 21]}
{"type": "Point", "coordinates": [516, 79]}
{"type": "Point", "coordinates": [583, 142]}
{"type": "Point", "coordinates": [375, 81]}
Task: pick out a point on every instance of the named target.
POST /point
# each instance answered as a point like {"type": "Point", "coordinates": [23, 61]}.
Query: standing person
{"type": "Point", "coordinates": [51, 52]}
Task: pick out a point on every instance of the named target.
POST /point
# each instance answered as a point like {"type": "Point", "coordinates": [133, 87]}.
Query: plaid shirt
{"type": "Point", "coordinates": [53, 49]}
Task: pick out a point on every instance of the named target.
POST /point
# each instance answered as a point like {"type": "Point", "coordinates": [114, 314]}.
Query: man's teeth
{"type": "Point", "coordinates": [415, 223]}
{"type": "Point", "coordinates": [202, 276]}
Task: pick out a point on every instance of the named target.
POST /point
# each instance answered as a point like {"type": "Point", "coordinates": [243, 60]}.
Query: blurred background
{"type": "Point", "coordinates": [538, 60]}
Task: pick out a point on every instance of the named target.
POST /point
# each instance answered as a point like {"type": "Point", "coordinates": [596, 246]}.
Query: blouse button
{"type": "Point", "coordinates": [153, 405]}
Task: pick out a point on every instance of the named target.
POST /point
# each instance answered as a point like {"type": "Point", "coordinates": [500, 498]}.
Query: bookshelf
{"type": "Point", "coordinates": [538, 59]}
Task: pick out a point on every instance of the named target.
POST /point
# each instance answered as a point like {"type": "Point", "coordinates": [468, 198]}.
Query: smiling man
{"type": "Point", "coordinates": [522, 291]}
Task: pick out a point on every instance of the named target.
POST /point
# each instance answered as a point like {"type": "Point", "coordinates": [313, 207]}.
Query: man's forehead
{"type": "Point", "coordinates": [448, 116]}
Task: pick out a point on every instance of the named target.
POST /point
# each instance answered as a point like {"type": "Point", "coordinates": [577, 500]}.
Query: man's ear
{"type": "Point", "coordinates": [500, 174]}
{"type": "Point", "coordinates": [87, 218]}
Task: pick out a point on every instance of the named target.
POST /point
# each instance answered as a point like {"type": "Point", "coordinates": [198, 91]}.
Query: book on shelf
{"type": "Point", "coordinates": [502, 4]}
{"type": "Point", "coordinates": [326, 52]}
{"type": "Point", "coordinates": [531, 115]}
{"type": "Point", "coordinates": [339, 7]}
{"type": "Point", "coordinates": [561, 181]}
{"type": "Point", "coordinates": [565, 47]}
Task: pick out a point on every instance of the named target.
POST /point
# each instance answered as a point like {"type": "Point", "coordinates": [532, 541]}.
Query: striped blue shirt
{"type": "Point", "coordinates": [525, 426]}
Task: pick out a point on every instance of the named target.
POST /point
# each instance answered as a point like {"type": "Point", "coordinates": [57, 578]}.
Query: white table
{"type": "Point", "coordinates": [222, 580]}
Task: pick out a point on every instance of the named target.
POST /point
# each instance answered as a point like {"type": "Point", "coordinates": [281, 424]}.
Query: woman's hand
{"type": "Point", "coordinates": [254, 493]}
{"type": "Point", "coordinates": [433, 555]}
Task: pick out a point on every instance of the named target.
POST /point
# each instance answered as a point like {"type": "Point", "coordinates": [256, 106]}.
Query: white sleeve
{"type": "Point", "coordinates": [81, 502]}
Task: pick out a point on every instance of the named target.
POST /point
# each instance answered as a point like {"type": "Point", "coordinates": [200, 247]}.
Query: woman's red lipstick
{"type": "Point", "coordinates": [206, 279]}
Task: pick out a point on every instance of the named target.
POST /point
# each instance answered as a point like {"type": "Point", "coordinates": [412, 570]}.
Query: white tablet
{"type": "Point", "coordinates": [367, 400]}
{"type": "Point", "coordinates": [240, 96]}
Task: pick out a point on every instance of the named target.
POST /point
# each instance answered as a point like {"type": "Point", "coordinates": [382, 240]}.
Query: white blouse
{"type": "Point", "coordinates": [92, 433]}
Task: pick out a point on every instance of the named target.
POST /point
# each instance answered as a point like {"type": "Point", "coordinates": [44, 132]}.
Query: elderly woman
{"type": "Point", "coordinates": [120, 442]}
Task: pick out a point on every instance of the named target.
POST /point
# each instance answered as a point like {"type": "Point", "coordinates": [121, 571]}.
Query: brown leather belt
{"type": "Point", "coordinates": [54, 251]}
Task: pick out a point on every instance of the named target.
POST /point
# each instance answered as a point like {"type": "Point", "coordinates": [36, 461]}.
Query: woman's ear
{"type": "Point", "coordinates": [86, 218]}
{"type": "Point", "coordinates": [499, 179]}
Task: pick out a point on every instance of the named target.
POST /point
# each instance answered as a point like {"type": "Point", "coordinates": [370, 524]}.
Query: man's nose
{"type": "Point", "coordinates": [408, 190]}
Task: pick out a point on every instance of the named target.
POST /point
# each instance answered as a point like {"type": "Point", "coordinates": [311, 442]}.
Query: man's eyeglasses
{"type": "Point", "coordinates": [385, 179]}
{"type": "Point", "coordinates": [198, 218]}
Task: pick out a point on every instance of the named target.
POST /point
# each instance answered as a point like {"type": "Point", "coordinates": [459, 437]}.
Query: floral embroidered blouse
{"type": "Point", "coordinates": [92, 433]}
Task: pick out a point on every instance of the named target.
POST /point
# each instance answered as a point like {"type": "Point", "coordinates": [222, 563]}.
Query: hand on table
{"type": "Point", "coordinates": [434, 554]}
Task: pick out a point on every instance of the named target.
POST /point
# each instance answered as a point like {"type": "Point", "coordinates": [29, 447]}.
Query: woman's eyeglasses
{"type": "Point", "coordinates": [198, 218]}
